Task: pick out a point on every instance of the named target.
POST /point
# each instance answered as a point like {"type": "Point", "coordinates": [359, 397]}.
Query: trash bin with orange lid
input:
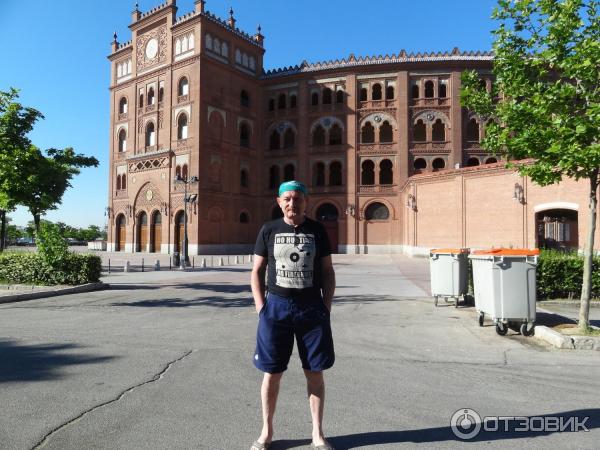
{"type": "Point", "coordinates": [449, 273]}
{"type": "Point", "coordinates": [504, 283]}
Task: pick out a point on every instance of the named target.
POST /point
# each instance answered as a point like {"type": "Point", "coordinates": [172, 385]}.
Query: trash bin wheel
{"type": "Point", "coordinates": [501, 328]}
{"type": "Point", "coordinates": [435, 300]}
{"type": "Point", "coordinates": [456, 302]}
{"type": "Point", "coordinates": [525, 330]}
{"type": "Point", "coordinates": [481, 318]}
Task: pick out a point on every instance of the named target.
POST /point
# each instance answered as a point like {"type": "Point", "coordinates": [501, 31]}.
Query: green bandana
{"type": "Point", "coordinates": [292, 186]}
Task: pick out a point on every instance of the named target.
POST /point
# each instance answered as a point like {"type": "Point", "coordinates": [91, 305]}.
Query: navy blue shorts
{"type": "Point", "coordinates": [280, 319]}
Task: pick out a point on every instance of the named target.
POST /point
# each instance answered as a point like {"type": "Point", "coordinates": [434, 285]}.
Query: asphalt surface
{"type": "Point", "coordinates": [163, 360]}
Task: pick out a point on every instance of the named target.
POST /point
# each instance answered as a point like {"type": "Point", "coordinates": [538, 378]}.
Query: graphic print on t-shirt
{"type": "Point", "coordinates": [294, 260]}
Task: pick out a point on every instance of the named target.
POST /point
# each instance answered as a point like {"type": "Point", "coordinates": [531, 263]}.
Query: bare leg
{"type": "Point", "coordinates": [268, 394]}
{"type": "Point", "coordinates": [315, 386]}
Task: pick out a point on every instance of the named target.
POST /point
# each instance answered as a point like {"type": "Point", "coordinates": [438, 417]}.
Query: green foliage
{"type": "Point", "coordinates": [560, 275]}
{"type": "Point", "coordinates": [32, 268]}
{"type": "Point", "coordinates": [52, 245]}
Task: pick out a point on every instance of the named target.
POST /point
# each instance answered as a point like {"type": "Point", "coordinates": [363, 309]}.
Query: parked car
{"type": "Point", "coordinates": [73, 241]}
{"type": "Point", "coordinates": [25, 241]}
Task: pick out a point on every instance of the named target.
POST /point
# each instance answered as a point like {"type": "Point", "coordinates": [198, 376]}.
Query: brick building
{"type": "Point", "coordinates": [392, 161]}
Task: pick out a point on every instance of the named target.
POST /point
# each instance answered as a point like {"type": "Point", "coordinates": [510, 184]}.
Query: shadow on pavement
{"type": "Point", "coordinates": [217, 302]}
{"type": "Point", "coordinates": [213, 287]}
{"type": "Point", "coordinates": [39, 362]}
{"type": "Point", "coordinates": [532, 426]}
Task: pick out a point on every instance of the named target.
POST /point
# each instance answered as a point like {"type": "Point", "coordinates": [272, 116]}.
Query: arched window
{"type": "Point", "coordinates": [161, 94]}
{"type": "Point", "coordinates": [376, 94]}
{"type": "Point", "coordinates": [177, 172]}
{"type": "Point", "coordinates": [123, 181]}
{"type": "Point", "coordinates": [419, 165]}
{"type": "Point", "coordinates": [281, 101]}
{"type": "Point", "coordinates": [292, 101]}
{"type": "Point", "coordinates": [271, 104]}
{"type": "Point", "coordinates": [244, 98]}
{"type": "Point", "coordinates": [429, 89]}
{"type": "Point", "coordinates": [438, 164]}
{"type": "Point", "coordinates": [244, 135]}
{"type": "Point", "coordinates": [389, 93]}
{"type": "Point", "coordinates": [335, 173]}
{"type": "Point", "coordinates": [442, 90]}
{"type": "Point", "coordinates": [274, 140]}
{"type": "Point", "coordinates": [414, 91]}
{"type": "Point", "coordinates": [182, 126]}
{"type": "Point", "coordinates": [238, 56]}
{"type": "Point", "coordinates": [419, 134]}
{"type": "Point", "coordinates": [386, 172]}
{"type": "Point", "coordinates": [216, 45]}
{"type": "Point", "coordinates": [244, 178]}
{"type": "Point", "coordinates": [438, 131]}
{"type": "Point", "coordinates": [472, 162]}
{"type": "Point", "coordinates": [141, 100]}
{"type": "Point", "coordinates": [289, 139]}
{"type": "Point", "coordinates": [363, 94]}
{"type": "Point", "coordinates": [318, 137]}
{"type": "Point", "coordinates": [244, 218]}
{"type": "Point", "coordinates": [274, 177]}
{"type": "Point", "coordinates": [491, 160]}
{"type": "Point", "coordinates": [183, 87]}
{"type": "Point", "coordinates": [327, 213]}
{"type": "Point", "coordinates": [335, 134]}
{"type": "Point", "coordinates": [473, 130]}
{"type": "Point", "coordinates": [367, 134]}
{"type": "Point", "coordinates": [224, 50]}
{"type": "Point", "coordinates": [184, 172]}
{"type": "Point", "coordinates": [326, 96]}
{"type": "Point", "coordinates": [122, 140]}
{"type": "Point", "coordinates": [150, 134]}
{"type": "Point", "coordinates": [208, 41]}
{"type": "Point", "coordinates": [339, 96]}
{"type": "Point", "coordinates": [314, 99]}
{"type": "Point", "coordinates": [123, 106]}
{"type": "Point", "coordinates": [151, 96]}
{"type": "Point", "coordinates": [191, 41]}
{"type": "Point", "coordinates": [367, 176]}
{"type": "Point", "coordinates": [377, 211]}
{"type": "Point", "coordinates": [289, 172]}
{"type": "Point", "coordinates": [386, 134]}
{"type": "Point", "coordinates": [118, 182]}
{"type": "Point", "coordinates": [319, 174]}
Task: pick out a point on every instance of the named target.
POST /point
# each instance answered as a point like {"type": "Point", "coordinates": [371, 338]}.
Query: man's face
{"type": "Point", "coordinates": [292, 203]}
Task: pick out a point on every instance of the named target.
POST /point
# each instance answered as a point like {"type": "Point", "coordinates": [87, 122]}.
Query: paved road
{"type": "Point", "coordinates": [163, 360]}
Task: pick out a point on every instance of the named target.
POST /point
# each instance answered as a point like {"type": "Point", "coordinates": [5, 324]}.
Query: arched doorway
{"type": "Point", "coordinates": [378, 230]}
{"type": "Point", "coordinates": [557, 229]}
{"type": "Point", "coordinates": [142, 232]}
{"type": "Point", "coordinates": [179, 223]}
{"type": "Point", "coordinates": [120, 233]}
{"type": "Point", "coordinates": [328, 215]}
{"type": "Point", "coordinates": [156, 232]}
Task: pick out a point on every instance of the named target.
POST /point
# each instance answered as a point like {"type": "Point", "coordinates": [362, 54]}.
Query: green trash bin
{"type": "Point", "coordinates": [449, 269]}
{"type": "Point", "coordinates": [504, 282]}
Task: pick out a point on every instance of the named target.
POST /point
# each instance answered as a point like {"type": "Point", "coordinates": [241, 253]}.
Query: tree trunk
{"type": "Point", "coordinates": [36, 221]}
{"type": "Point", "coordinates": [2, 229]}
{"type": "Point", "coordinates": [588, 256]}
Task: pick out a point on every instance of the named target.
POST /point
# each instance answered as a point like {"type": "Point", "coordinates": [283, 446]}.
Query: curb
{"type": "Point", "coordinates": [562, 341]}
{"type": "Point", "coordinates": [88, 287]}
{"type": "Point", "coordinates": [593, 304]}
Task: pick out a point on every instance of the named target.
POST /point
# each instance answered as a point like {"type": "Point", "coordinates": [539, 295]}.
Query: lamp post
{"type": "Point", "coordinates": [186, 199]}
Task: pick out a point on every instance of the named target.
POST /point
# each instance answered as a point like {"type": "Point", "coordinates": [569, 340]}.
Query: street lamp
{"type": "Point", "coordinates": [187, 198]}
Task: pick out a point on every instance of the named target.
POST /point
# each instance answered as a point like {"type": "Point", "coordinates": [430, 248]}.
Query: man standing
{"type": "Point", "coordinates": [301, 283]}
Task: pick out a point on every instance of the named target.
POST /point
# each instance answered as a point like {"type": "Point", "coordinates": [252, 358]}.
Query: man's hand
{"type": "Point", "coordinates": [328, 277]}
{"type": "Point", "coordinates": [257, 281]}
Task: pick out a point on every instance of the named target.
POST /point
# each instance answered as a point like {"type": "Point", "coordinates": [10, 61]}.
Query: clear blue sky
{"type": "Point", "coordinates": [55, 53]}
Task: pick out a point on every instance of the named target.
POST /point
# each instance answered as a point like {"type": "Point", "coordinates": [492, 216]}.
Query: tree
{"type": "Point", "coordinates": [545, 103]}
{"type": "Point", "coordinates": [16, 121]}
{"type": "Point", "coordinates": [45, 179]}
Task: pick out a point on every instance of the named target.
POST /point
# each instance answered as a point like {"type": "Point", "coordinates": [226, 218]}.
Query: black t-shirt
{"type": "Point", "coordinates": [294, 257]}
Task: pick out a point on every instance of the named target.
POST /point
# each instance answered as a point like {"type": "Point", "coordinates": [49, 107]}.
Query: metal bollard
{"type": "Point", "coordinates": [157, 265]}
{"type": "Point", "coordinates": [203, 264]}
{"type": "Point", "coordinates": [170, 262]}
{"type": "Point", "coordinates": [126, 267]}
{"type": "Point", "coordinates": [237, 259]}
{"type": "Point", "coordinates": [193, 262]}
{"type": "Point", "coordinates": [142, 264]}
{"type": "Point", "coordinates": [220, 261]}
{"type": "Point", "coordinates": [109, 266]}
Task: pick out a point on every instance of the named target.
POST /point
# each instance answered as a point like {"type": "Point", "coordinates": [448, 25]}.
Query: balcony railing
{"type": "Point", "coordinates": [427, 146]}
{"type": "Point", "coordinates": [377, 189]}
{"type": "Point", "coordinates": [386, 147]}
{"type": "Point", "coordinates": [432, 101]}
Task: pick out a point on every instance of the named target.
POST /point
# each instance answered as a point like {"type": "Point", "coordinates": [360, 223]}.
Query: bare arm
{"type": "Point", "coordinates": [328, 281]}
{"type": "Point", "coordinates": [257, 281]}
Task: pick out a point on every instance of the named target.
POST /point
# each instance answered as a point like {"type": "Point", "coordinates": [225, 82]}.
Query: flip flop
{"type": "Point", "coordinates": [325, 446]}
{"type": "Point", "coordinates": [260, 445]}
